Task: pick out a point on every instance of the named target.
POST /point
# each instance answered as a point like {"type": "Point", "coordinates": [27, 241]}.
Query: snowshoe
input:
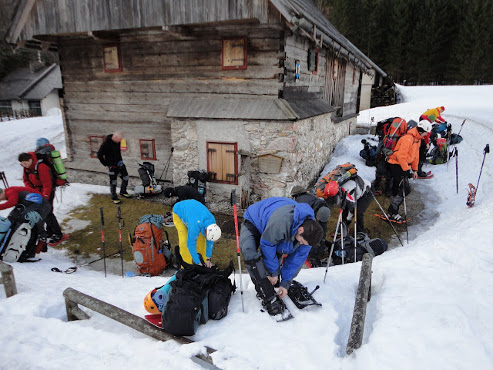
{"type": "Point", "coordinates": [168, 219]}
{"type": "Point", "coordinates": [277, 308]}
{"type": "Point", "coordinates": [155, 319]}
{"type": "Point", "coordinates": [300, 295]}
{"type": "Point", "coordinates": [397, 221]}
{"type": "Point", "coordinates": [57, 239]}
{"type": "Point", "coordinates": [425, 175]}
{"type": "Point", "coordinates": [18, 243]}
{"type": "Point", "coordinates": [471, 196]}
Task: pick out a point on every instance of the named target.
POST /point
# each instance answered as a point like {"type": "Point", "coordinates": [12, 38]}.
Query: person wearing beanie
{"type": "Point", "coordinates": [273, 228]}
{"type": "Point", "coordinates": [322, 215]}
{"type": "Point", "coordinates": [433, 115]}
{"type": "Point", "coordinates": [183, 193]}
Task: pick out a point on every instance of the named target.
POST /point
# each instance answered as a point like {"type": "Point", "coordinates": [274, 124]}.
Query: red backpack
{"type": "Point", "coordinates": [393, 131]}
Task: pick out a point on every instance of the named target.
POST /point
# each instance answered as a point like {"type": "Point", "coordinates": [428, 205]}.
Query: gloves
{"type": "Point", "coordinates": [120, 164]}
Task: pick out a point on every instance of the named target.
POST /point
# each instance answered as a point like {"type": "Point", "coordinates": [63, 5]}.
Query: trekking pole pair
{"type": "Point", "coordinates": [329, 259]}
{"type": "Point", "coordinates": [387, 217]}
{"type": "Point", "coordinates": [3, 177]}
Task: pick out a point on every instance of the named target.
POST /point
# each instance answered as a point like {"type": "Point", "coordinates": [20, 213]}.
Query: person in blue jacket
{"type": "Point", "coordinates": [272, 228]}
{"type": "Point", "coordinates": [197, 231]}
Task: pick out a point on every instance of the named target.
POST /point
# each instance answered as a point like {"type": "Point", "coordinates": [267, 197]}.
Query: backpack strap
{"type": "Point", "coordinates": [365, 244]}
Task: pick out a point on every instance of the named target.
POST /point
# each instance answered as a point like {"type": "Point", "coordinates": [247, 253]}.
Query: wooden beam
{"type": "Point", "coordinates": [74, 297]}
{"type": "Point", "coordinates": [19, 21]}
{"type": "Point", "coordinates": [363, 296]}
{"type": "Point", "coordinates": [8, 279]}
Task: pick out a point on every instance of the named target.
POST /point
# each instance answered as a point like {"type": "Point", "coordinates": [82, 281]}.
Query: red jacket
{"type": "Point", "coordinates": [12, 195]}
{"type": "Point", "coordinates": [42, 181]}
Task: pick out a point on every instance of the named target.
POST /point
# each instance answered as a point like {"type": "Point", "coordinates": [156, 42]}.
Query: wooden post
{"type": "Point", "coordinates": [74, 297]}
{"type": "Point", "coordinates": [362, 298]}
{"type": "Point", "coordinates": [8, 279]}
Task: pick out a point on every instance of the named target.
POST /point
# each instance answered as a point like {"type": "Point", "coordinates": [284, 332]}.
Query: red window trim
{"type": "Point", "coordinates": [153, 149]}
{"type": "Point", "coordinates": [235, 163]}
{"type": "Point", "coordinates": [90, 144]}
{"type": "Point", "coordinates": [244, 66]}
{"type": "Point", "coordinates": [115, 70]}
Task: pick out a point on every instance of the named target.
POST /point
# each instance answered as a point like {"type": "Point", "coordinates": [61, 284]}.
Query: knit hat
{"type": "Point", "coordinates": [297, 190]}
{"type": "Point", "coordinates": [323, 214]}
{"type": "Point", "coordinates": [411, 124]}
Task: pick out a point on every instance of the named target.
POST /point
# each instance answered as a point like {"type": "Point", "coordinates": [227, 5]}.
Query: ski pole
{"type": "Point", "coordinates": [4, 179]}
{"type": "Point", "coordinates": [355, 218]}
{"type": "Point", "coordinates": [329, 259]}
{"type": "Point", "coordinates": [456, 151]}
{"type": "Point", "coordinates": [461, 127]}
{"type": "Point", "coordinates": [233, 203]}
{"type": "Point", "coordinates": [119, 216]}
{"type": "Point", "coordinates": [387, 217]}
{"type": "Point", "coordinates": [405, 208]}
{"type": "Point", "coordinates": [342, 240]}
{"type": "Point", "coordinates": [486, 151]}
{"type": "Point", "coordinates": [102, 238]}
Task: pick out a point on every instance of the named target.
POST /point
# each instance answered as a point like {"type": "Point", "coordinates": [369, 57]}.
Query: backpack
{"type": "Point", "coordinates": [439, 154]}
{"type": "Point", "coordinates": [393, 131]}
{"type": "Point", "coordinates": [151, 253]}
{"type": "Point", "coordinates": [48, 155]}
{"type": "Point", "coordinates": [369, 153]}
{"type": "Point", "coordinates": [149, 183]}
{"type": "Point", "coordinates": [364, 245]}
{"type": "Point", "coordinates": [342, 174]}
{"type": "Point", "coordinates": [198, 181]}
{"type": "Point", "coordinates": [382, 127]}
{"type": "Point", "coordinates": [197, 294]}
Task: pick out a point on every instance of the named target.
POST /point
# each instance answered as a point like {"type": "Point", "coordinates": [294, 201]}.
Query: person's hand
{"type": "Point", "coordinates": [208, 263]}
{"type": "Point", "coordinates": [282, 292]}
{"type": "Point", "coordinates": [415, 175]}
{"type": "Point", "coordinates": [273, 279]}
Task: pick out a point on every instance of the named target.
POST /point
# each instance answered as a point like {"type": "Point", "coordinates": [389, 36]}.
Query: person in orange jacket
{"type": "Point", "coordinates": [433, 115]}
{"type": "Point", "coordinates": [404, 158]}
{"type": "Point", "coordinates": [39, 176]}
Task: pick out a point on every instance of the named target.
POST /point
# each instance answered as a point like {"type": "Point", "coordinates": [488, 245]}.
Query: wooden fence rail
{"type": "Point", "coordinates": [73, 298]}
{"type": "Point", "coordinates": [363, 296]}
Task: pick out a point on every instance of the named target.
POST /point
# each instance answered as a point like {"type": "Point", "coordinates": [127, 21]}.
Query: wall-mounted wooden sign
{"type": "Point", "coordinates": [269, 163]}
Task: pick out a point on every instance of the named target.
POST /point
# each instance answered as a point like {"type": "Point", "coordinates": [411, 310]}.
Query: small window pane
{"type": "Point", "coordinates": [95, 143]}
{"type": "Point", "coordinates": [147, 149]}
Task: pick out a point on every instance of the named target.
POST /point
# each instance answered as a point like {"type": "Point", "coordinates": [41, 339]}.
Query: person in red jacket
{"type": "Point", "coordinates": [404, 158]}
{"type": "Point", "coordinates": [39, 176]}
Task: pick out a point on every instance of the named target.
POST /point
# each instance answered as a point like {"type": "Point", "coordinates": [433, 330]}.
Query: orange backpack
{"type": "Point", "coordinates": [393, 132]}
{"type": "Point", "coordinates": [342, 173]}
{"type": "Point", "coordinates": [148, 247]}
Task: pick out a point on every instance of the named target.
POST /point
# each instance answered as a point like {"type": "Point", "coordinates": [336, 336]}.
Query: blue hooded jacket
{"type": "Point", "coordinates": [196, 218]}
{"type": "Point", "coordinates": [278, 219]}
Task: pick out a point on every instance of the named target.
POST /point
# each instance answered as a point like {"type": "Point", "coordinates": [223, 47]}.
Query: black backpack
{"type": "Point", "coordinates": [198, 294]}
{"type": "Point", "coordinates": [364, 245]}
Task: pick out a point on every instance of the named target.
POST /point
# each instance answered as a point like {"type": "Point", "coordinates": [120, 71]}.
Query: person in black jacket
{"type": "Point", "coordinates": [110, 155]}
{"type": "Point", "coordinates": [322, 215]}
{"type": "Point", "coordinates": [183, 193]}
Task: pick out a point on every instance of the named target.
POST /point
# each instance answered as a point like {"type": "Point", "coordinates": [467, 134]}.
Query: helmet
{"type": "Point", "coordinates": [41, 142]}
{"type": "Point", "coordinates": [149, 304]}
{"type": "Point", "coordinates": [424, 126]}
{"type": "Point", "coordinates": [297, 190]}
{"type": "Point", "coordinates": [331, 189]}
{"type": "Point", "coordinates": [213, 232]}
{"type": "Point", "coordinates": [35, 198]}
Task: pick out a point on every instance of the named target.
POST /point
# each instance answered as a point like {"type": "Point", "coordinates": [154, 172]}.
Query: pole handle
{"type": "Point", "coordinates": [232, 199]}
{"type": "Point", "coordinates": [487, 149]}
{"type": "Point", "coordinates": [102, 216]}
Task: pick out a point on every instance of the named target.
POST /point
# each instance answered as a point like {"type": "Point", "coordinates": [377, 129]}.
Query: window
{"type": "Point", "coordinates": [147, 149]}
{"type": "Point", "coordinates": [112, 58]}
{"type": "Point", "coordinates": [95, 142]}
{"type": "Point", "coordinates": [5, 108]}
{"type": "Point", "coordinates": [222, 162]}
{"type": "Point", "coordinates": [313, 60]}
{"type": "Point", "coordinates": [34, 108]}
{"type": "Point", "coordinates": [235, 53]}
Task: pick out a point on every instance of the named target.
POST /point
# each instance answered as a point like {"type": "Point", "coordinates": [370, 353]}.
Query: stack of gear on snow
{"type": "Point", "coordinates": [441, 136]}
{"type": "Point", "coordinates": [191, 297]}
{"type": "Point", "coordinates": [342, 174]}
{"type": "Point", "coordinates": [151, 253]}
{"type": "Point", "coordinates": [149, 184]}
{"type": "Point", "coordinates": [364, 245]}
{"type": "Point", "coordinates": [369, 153]}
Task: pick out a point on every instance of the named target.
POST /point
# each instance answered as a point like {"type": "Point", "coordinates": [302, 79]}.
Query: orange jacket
{"type": "Point", "coordinates": [406, 151]}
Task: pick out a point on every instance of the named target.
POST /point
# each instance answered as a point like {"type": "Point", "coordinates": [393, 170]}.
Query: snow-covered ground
{"type": "Point", "coordinates": [431, 299]}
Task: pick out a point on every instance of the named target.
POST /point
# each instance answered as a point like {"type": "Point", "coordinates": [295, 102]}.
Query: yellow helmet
{"type": "Point", "coordinates": [149, 304]}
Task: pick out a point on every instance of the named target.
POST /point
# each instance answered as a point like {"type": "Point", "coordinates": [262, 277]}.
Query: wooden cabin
{"type": "Point", "coordinates": [255, 92]}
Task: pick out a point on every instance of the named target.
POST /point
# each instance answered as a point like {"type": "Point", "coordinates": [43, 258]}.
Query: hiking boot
{"type": "Point", "coordinates": [274, 306]}
{"type": "Point", "coordinates": [125, 195]}
{"type": "Point", "coordinates": [396, 217]}
{"type": "Point", "coordinates": [422, 174]}
{"type": "Point", "coordinates": [115, 199]}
